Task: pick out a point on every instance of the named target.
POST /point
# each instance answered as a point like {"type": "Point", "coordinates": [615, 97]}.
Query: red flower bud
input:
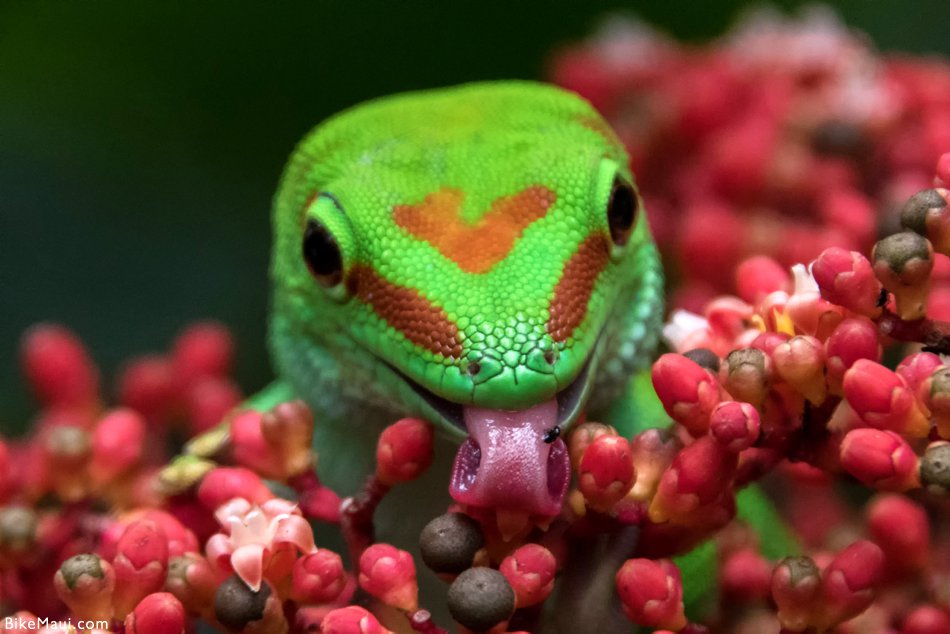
{"type": "Point", "coordinates": [389, 574]}
{"type": "Point", "coordinates": [117, 444]}
{"type": "Point", "coordinates": [883, 400]}
{"type": "Point", "coordinates": [352, 620]}
{"type": "Point", "coordinates": [606, 472]}
{"type": "Point", "coordinates": [734, 425]}
{"type": "Point", "coordinates": [926, 619]}
{"type": "Point", "coordinates": [204, 349]}
{"type": "Point", "coordinates": [917, 368]}
{"type": "Point", "coordinates": [404, 451]}
{"type": "Point", "coordinates": [158, 613]}
{"type": "Point", "coordinates": [147, 385]}
{"type": "Point", "coordinates": [140, 563]}
{"type": "Point", "coordinates": [86, 583]}
{"type": "Point", "coordinates": [796, 583]}
{"type": "Point", "coordinates": [651, 593]}
{"type": "Point", "coordinates": [853, 339]}
{"type": "Point", "coordinates": [847, 279]}
{"type": "Point", "coordinates": [800, 362]}
{"type": "Point", "coordinates": [700, 475]}
{"type": "Point", "coordinates": [582, 436]}
{"type": "Point", "coordinates": [226, 483]}
{"type": "Point", "coordinates": [848, 583]}
{"type": "Point", "coordinates": [251, 450]}
{"type": "Point", "coordinates": [288, 428]}
{"type": "Point", "coordinates": [207, 401]}
{"type": "Point", "coordinates": [58, 367]}
{"type": "Point", "coordinates": [760, 275]}
{"type": "Point", "coordinates": [880, 459]}
{"type": "Point", "coordinates": [688, 392]}
{"type": "Point", "coordinates": [530, 570]}
{"type": "Point", "coordinates": [901, 528]}
{"type": "Point", "coordinates": [318, 577]}
{"type": "Point", "coordinates": [745, 576]}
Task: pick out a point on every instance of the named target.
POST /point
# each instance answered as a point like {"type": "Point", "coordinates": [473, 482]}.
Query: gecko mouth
{"type": "Point", "coordinates": [513, 459]}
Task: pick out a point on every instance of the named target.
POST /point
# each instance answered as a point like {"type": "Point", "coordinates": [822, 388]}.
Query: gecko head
{"type": "Point", "coordinates": [472, 261]}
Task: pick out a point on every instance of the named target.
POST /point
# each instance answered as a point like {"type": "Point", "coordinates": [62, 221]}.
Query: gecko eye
{"type": "Point", "coordinates": [622, 211]}
{"type": "Point", "coordinates": [322, 254]}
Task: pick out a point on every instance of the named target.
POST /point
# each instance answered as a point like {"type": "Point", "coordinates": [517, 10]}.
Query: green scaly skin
{"type": "Point", "coordinates": [485, 142]}
{"type": "Point", "coordinates": [488, 141]}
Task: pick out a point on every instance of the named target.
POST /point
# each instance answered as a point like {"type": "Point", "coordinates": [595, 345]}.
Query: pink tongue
{"type": "Point", "coordinates": [505, 463]}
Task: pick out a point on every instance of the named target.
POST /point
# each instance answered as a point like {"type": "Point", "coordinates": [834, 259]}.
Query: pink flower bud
{"type": "Point", "coordinates": [191, 579]}
{"type": "Point", "coordinates": [606, 472]}
{"type": "Point", "coordinates": [315, 500]}
{"type": "Point", "coordinates": [853, 339]}
{"type": "Point", "coordinates": [883, 401]}
{"type": "Point", "coordinates": [688, 392]}
{"type": "Point", "coordinates": [226, 483]}
{"type": "Point", "coordinates": [58, 367]}
{"type": "Point", "coordinates": [847, 279]}
{"type": "Point", "coordinates": [158, 613]}
{"type": "Point", "coordinates": [207, 401]}
{"type": "Point", "coordinates": [745, 576]}
{"type": "Point", "coordinates": [848, 583]}
{"type": "Point", "coordinates": [903, 262]}
{"type": "Point", "coordinates": [530, 570]}
{"type": "Point", "coordinates": [700, 475]}
{"type": "Point", "coordinates": [652, 451]}
{"type": "Point", "coordinates": [318, 577]}
{"type": "Point", "coordinates": [651, 593]}
{"type": "Point", "coordinates": [917, 368]}
{"type": "Point", "coordinates": [796, 583]}
{"type": "Point", "coordinates": [745, 374]}
{"type": "Point", "coordinates": [760, 275]}
{"type": "Point", "coordinates": [86, 583]}
{"type": "Point", "coordinates": [140, 563]}
{"type": "Point", "coordinates": [734, 425]}
{"type": "Point", "coordinates": [880, 459]}
{"type": "Point", "coordinates": [389, 574]}
{"type": "Point", "coordinates": [582, 436]}
{"type": "Point", "coordinates": [926, 619]}
{"type": "Point", "coordinates": [800, 362]}
{"type": "Point", "coordinates": [901, 528]}
{"type": "Point", "coordinates": [147, 385]}
{"type": "Point", "coordinates": [204, 349]}
{"type": "Point", "coordinates": [180, 539]}
{"type": "Point", "coordinates": [117, 444]}
{"type": "Point", "coordinates": [404, 451]}
{"type": "Point", "coordinates": [809, 312]}
{"type": "Point", "coordinates": [250, 449]}
{"type": "Point", "coordinates": [67, 450]}
{"type": "Point", "coordinates": [352, 620]}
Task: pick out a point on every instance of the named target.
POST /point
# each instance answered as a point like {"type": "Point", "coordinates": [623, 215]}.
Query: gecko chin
{"type": "Point", "coordinates": [512, 459]}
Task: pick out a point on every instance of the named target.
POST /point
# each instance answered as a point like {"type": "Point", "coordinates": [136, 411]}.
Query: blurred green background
{"type": "Point", "coordinates": [140, 143]}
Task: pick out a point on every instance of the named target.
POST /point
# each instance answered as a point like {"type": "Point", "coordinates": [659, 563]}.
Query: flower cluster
{"type": "Point", "coordinates": [790, 148]}
{"type": "Point", "coordinates": [785, 137]}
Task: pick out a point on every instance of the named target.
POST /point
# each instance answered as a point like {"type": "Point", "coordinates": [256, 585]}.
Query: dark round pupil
{"type": "Point", "coordinates": [621, 212]}
{"type": "Point", "coordinates": [322, 254]}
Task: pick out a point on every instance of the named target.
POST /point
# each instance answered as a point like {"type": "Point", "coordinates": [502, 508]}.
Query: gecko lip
{"type": "Point", "coordinates": [570, 399]}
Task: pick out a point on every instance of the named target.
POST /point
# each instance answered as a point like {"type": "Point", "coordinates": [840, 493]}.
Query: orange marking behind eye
{"type": "Point", "coordinates": [420, 321]}
{"type": "Point", "coordinates": [476, 248]}
{"type": "Point", "coordinates": [573, 291]}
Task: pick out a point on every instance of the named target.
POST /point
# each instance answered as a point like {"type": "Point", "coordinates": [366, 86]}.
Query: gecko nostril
{"type": "Point", "coordinates": [550, 356]}
{"type": "Point", "coordinates": [474, 368]}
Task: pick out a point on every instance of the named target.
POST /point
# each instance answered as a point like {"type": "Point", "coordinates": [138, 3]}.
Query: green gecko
{"type": "Point", "coordinates": [476, 256]}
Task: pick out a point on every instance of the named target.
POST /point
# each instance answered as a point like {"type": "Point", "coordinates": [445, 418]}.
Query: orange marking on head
{"type": "Point", "coordinates": [422, 323]}
{"type": "Point", "coordinates": [601, 127]}
{"type": "Point", "coordinates": [573, 291]}
{"type": "Point", "coordinates": [474, 247]}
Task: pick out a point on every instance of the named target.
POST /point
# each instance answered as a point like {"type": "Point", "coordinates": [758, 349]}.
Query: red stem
{"type": "Point", "coordinates": [935, 335]}
{"type": "Point", "coordinates": [356, 517]}
{"type": "Point", "coordinates": [421, 621]}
